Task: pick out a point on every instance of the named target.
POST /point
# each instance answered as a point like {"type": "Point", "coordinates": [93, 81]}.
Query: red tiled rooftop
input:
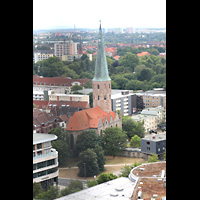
{"type": "Point", "coordinates": [58, 81]}
{"type": "Point", "coordinates": [143, 53]}
{"type": "Point", "coordinates": [89, 118]}
{"type": "Point", "coordinates": [42, 103]}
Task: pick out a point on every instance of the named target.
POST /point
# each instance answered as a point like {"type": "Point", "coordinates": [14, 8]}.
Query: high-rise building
{"type": "Point", "coordinates": [65, 48]}
{"type": "Point", "coordinates": [101, 82]}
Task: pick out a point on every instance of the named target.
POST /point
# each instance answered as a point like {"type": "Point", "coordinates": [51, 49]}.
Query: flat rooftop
{"type": "Point", "coordinates": [43, 137]}
{"type": "Point", "coordinates": [119, 189]}
{"type": "Point", "coordinates": [155, 137]}
{"type": "Point", "coordinates": [150, 182]}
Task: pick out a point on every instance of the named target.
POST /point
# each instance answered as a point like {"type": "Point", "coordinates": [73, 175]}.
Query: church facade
{"type": "Point", "coordinates": [101, 115]}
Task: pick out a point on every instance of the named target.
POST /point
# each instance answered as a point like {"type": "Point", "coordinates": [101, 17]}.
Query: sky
{"type": "Point", "coordinates": [50, 14]}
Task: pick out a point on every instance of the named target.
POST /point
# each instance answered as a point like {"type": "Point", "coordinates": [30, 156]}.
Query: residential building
{"type": "Point", "coordinates": [101, 83]}
{"type": "Point", "coordinates": [45, 160]}
{"type": "Point", "coordinates": [127, 102]}
{"type": "Point", "coordinates": [155, 143]}
{"type": "Point", "coordinates": [60, 84]}
{"type": "Point", "coordinates": [159, 112]}
{"type": "Point", "coordinates": [47, 106]}
{"type": "Point", "coordinates": [150, 122]}
{"type": "Point", "coordinates": [65, 48]}
{"type": "Point", "coordinates": [153, 98]}
{"type": "Point", "coordinates": [43, 122]}
{"type": "Point", "coordinates": [92, 119]}
{"type": "Point", "coordinates": [68, 97]}
{"type": "Point", "coordinates": [41, 56]}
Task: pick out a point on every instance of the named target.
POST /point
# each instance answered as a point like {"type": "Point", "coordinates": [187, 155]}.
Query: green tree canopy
{"type": "Point", "coordinates": [90, 168]}
{"type": "Point", "coordinates": [129, 60]}
{"type": "Point", "coordinates": [51, 67]}
{"type": "Point", "coordinates": [135, 141]}
{"type": "Point", "coordinates": [114, 141]}
{"type": "Point", "coordinates": [87, 139]}
{"type": "Point", "coordinates": [102, 178]}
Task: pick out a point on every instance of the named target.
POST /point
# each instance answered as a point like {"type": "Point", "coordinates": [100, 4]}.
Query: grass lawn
{"type": "Point", "coordinates": [110, 160]}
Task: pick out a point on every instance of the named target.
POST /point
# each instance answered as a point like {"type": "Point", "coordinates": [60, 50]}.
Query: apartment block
{"type": "Point", "coordinates": [41, 56]}
{"type": "Point", "coordinates": [153, 98]}
{"type": "Point", "coordinates": [45, 160]}
{"type": "Point", "coordinates": [65, 48]}
{"type": "Point", "coordinates": [126, 102]}
{"type": "Point", "coordinates": [150, 122]}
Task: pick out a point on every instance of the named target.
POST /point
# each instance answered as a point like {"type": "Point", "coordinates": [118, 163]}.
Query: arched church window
{"type": "Point", "coordinates": [98, 86]}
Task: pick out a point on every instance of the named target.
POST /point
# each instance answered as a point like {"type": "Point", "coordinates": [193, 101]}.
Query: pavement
{"type": "Point", "coordinates": [64, 182]}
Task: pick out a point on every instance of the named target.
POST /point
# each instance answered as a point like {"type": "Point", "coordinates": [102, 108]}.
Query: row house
{"type": "Point", "coordinates": [43, 122]}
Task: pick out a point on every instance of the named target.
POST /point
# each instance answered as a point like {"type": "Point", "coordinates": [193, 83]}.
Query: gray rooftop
{"type": "Point", "coordinates": [155, 137]}
{"type": "Point", "coordinates": [119, 189]}
{"type": "Point", "coordinates": [43, 137]}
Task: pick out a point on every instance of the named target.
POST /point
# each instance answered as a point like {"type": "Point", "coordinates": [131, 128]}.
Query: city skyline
{"type": "Point", "coordinates": [57, 14]}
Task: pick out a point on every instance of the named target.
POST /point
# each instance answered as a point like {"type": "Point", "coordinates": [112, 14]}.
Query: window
{"type": "Point", "coordinates": [148, 148]}
{"type": "Point", "coordinates": [98, 97]}
{"type": "Point", "coordinates": [105, 97]}
{"type": "Point", "coordinates": [148, 142]}
{"type": "Point", "coordinates": [39, 146]}
{"type": "Point", "coordinates": [98, 86]}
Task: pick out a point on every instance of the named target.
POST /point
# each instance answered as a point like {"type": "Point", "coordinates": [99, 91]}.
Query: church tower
{"type": "Point", "coordinates": [101, 83]}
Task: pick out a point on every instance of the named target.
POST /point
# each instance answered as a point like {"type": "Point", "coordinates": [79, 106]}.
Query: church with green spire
{"type": "Point", "coordinates": [101, 83]}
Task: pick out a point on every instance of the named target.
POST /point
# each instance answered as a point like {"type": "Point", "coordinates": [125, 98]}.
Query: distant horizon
{"type": "Point", "coordinates": [89, 28]}
{"type": "Point", "coordinates": [57, 14]}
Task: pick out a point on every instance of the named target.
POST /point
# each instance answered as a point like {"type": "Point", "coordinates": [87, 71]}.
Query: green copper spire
{"type": "Point", "coordinates": [101, 67]}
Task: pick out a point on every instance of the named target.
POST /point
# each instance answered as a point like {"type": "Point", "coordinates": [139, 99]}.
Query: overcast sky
{"type": "Point", "coordinates": [49, 14]}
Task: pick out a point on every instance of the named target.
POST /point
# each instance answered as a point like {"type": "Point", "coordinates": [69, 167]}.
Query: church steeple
{"type": "Point", "coordinates": [101, 67]}
{"type": "Point", "coordinates": [101, 83]}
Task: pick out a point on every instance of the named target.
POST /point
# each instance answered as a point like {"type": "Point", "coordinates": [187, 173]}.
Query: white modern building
{"type": "Point", "coordinates": [45, 160]}
{"type": "Point", "coordinates": [41, 56]}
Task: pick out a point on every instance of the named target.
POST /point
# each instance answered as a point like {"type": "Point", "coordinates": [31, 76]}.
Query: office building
{"type": "Point", "coordinates": [45, 160]}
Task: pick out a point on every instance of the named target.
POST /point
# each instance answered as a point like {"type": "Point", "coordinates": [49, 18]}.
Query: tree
{"type": "Point", "coordinates": [135, 141]}
{"type": "Point", "coordinates": [100, 157]}
{"type": "Point", "coordinates": [146, 74]}
{"type": "Point", "coordinates": [102, 178]}
{"type": "Point", "coordinates": [51, 67]}
{"type": "Point", "coordinates": [74, 88]}
{"type": "Point", "coordinates": [129, 60]}
{"type": "Point", "coordinates": [37, 188]}
{"type": "Point", "coordinates": [61, 144]}
{"type": "Point", "coordinates": [126, 170]}
{"type": "Point", "coordinates": [88, 164]}
{"type": "Point", "coordinates": [50, 194]}
{"type": "Point", "coordinates": [114, 141]}
{"type": "Point", "coordinates": [87, 139]}
{"type": "Point", "coordinates": [127, 125]}
{"type": "Point", "coordinates": [132, 127]}
{"type": "Point", "coordinates": [153, 158]}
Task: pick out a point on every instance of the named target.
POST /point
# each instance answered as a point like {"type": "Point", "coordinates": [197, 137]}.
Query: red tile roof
{"type": "Point", "coordinates": [116, 57]}
{"type": "Point", "coordinates": [42, 103]}
{"type": "Point", "coordinates": [143, 53]}
{"type": "Point", "coordinates": [58, 81]}
{"type": "Point", "coordinates": [89, 118]}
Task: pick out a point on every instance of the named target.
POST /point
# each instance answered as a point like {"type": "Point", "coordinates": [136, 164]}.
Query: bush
{"type": "Point", "coordinates": [91, 183]}
{"type": "Point", "coordinates": [105, 177]}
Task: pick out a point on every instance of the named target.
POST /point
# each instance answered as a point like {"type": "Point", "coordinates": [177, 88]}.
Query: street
{"type": "Point", "coordinates": [64, 182]}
